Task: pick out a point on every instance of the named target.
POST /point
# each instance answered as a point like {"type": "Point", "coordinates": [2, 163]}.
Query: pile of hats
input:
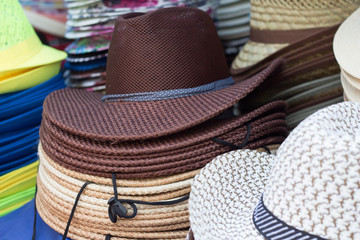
{"type": "Point", "coordinates": [92, 24]}
{"type": "Point", "coordinates": [121, 164]}
{"type": "Point", "coordinates": [233, 20]}
{"type": "Point", "coordinates": [28, 73]}
{"type": "Point", "coordinates": [300, 32]}
{"type": "Point", "coordinates": [346, 50]}
{"type": "Point", "coordinates": [309, 190]}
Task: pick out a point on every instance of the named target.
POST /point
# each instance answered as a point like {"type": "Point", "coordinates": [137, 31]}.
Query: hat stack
{"type": "Point", "coordinates": [346, 50]}
{"type": "Point", "coordinates": [301, 32]}
{"type": "Point", "coordinates": [28, 72]}
{"type": "Point", "coordinates": [233, 25]}
{"type": "Point", "coordinates": [309, 190]}
{"type": "Point", "coordinates": [127, 158]}
{"type": "Point", "coordinates": [92, 24]}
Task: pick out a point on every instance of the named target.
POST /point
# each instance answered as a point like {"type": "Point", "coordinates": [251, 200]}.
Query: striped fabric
{"type": "Point", "coordinates": [273, 228]}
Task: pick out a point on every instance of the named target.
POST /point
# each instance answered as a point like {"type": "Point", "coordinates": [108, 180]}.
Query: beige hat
{"type": "Point", "coordinates": [311, 192]}
{"type": "Point", "coordinates": [347, 53]}
{"type": "Point", "coordinates": [277, 23]}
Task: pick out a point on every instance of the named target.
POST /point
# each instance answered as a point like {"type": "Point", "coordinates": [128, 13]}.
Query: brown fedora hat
{"type": "Point", "coordinates": [166, 72]}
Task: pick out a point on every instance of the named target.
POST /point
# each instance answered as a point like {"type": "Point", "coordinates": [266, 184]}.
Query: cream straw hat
{"type": "Point", "coordinates": [277, 23]}
{"type": "Point", "coordinates": [311, 192]}
{"type": "Point", "coordinates": [346, 49]}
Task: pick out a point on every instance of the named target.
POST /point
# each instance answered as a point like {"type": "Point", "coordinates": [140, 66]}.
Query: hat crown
{"type": "Point", "coordinates": [299, 14]}
{"type": "Point", "coordinates": [315, 183]}
{"type": "Point", "coordinates": [171, 48]}
{"type": "Point", "coordinates": [14, 25]}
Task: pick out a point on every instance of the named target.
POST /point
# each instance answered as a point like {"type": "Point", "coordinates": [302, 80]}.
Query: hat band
{"type": "Point", "coordinates": [272, 228]}
{"type": "Point", "coordinates": [169, 94]}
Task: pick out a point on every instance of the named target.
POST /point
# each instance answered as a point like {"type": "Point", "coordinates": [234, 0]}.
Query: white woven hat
{"type": "Point", "coordinates": [312, 192]}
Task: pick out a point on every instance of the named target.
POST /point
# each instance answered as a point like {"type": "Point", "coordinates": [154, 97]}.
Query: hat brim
{"type": "Point", "coordinates": [225, 193]}
{"type": "Point", "coordinates": [68, 109]}
{"type": "Point", "coordinates": [29, 78]}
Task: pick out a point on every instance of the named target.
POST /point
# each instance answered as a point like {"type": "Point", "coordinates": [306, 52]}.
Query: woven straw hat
{"type": "Point", "coordinates": [184, 85]}
{"type": "Point", "coordinates": [277, 23]}
{"type": "Point", "coordinates": [311, 192]}
{"type": "Point", "coordinates": [346, 49]}
{"type": "Point", "coordinates": [20, 48]}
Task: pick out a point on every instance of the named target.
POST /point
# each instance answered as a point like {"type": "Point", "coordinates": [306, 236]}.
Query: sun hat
{"type": "Point", "coordinates": [309, 190]}
{"type": "Point", "coordinates": [277, 23]}
{"type": "Point", "coordinates": [198, 72]}
{"type": "Point", "coordinates": [345, 45]}
{"type": "Point", "coordinates": [20, 48]}
{"type": "Point", "coordinates": [14, 201]}
{"type": "Point", "coordinates": [168, 155]}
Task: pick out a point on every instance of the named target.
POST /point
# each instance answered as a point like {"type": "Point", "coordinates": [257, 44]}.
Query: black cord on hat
{"type": "Point", "coordinates": [233, 146]}
{"type": "Point", "coordinates": [35, 213]}
{"type": "Point", "coordinates": [116, 207]}
{"type": "Point", "coordinates": [74, 208]}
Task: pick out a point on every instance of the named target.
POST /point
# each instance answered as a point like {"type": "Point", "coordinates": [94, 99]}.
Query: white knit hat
{"type": "Point", "coordinates": [313, 191]}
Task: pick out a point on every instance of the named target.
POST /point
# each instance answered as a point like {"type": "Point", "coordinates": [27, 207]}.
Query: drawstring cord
{"type": "Point", "coordinates": [233, 146]}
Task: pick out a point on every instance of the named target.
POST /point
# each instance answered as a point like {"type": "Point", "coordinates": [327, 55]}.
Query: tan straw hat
{"type": "Point", "coordinates": [346, 50]}
{"type": "Point", "coordinates": [309, 190]}
{"type": "Point", "coordinates": [277, 23]}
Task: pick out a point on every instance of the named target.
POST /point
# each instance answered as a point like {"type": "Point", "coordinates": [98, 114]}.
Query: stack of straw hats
{"type": "Point", "coordinates": [301, 32]}
{"type": "Point", "coordinates": [127, 158]}
{"type": "Point", "coordinates": [309, 190]}
{"type": "Point", "coordinates": [233, 24]}
{"type": "Point", "coordinates": [92, 23]}
{"type": "Point", "coordinates": [346, 50]}
{"type": "Point", "coordinates": [28, 73]}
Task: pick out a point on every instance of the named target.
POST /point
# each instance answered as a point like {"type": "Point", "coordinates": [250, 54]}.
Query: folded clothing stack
{"type": "Point", "coordinates": [128, 157]}
{"type": "Point", "coordinates": [29, 71]}
{"type": "Point", "coordinates": [302, 34]}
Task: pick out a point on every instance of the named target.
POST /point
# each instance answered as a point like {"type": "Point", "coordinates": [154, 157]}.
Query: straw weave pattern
{"type": "Point", "coordinates": [315, 184]}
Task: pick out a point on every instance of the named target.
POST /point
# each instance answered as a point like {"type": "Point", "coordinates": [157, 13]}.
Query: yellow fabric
{"type": "Point", "coordinates": [30, 78]}
{"type": "Point", "coordinates": [15, 201]}
{"type": "Point", "coordinates": [18, 180]}
{"type": "Point", "coordinates": [20, 47]}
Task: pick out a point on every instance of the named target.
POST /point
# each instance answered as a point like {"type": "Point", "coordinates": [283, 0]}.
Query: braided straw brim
{"type": "Point", "coordinates": [60, 174]}
{"type": "Point", "coordinates": [238, 179]}
{"type": "Point", "coordinates": [254, 52]}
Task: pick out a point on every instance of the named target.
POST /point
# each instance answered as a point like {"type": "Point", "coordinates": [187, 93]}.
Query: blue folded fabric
{"type": "Point", "coordinates": [28, 119]}
{"type": "Point", "coordinates": [13, 165]}
{"type": "Point", "coordinates": [48, 85]}
{"type": "Point", "coordinates": [9, 137]}
{"type": "Point", "coordinates": [18, 225]}
{"type": "Point", "coordinates": [24, 101]}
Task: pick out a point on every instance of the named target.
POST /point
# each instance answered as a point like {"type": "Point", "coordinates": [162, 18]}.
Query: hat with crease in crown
{"type": "Point", "coordinates": [309, 190]}
{"type": "Point", "coordinates": [186, 82]}
{"type": "Point", "coordinates": [277, 23]}
{"type": "Point", "coordinates": [20, 47]}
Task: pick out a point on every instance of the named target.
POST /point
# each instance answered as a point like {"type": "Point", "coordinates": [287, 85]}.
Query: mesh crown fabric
{"type": "Point", "coordinates": [166, 49]}
{"type": "Point", "coordinates": [14, 26]}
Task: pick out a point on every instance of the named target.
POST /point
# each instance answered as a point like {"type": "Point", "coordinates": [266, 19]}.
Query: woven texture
{"type": "Point", "coordinates": [230, 184]}
{"type": "Point", "coordinates": [14, 26]}
{"type": "Point", "coordinates": [314, 185]}
{"type": "Point", "coordinates": [177, 153]}
{"type": "Point", "coordinates": [178, 63]}
{"type": "Point", "coordinates": [299, 14]}
{"type": "Point", "coordinates": [289, 18]}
